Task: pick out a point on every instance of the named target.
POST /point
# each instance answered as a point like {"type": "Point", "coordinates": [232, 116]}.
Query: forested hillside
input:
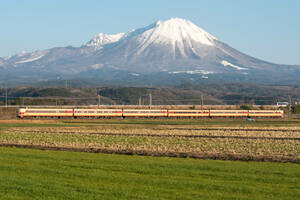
{"type": "Point", "coordinates": [191, 94]}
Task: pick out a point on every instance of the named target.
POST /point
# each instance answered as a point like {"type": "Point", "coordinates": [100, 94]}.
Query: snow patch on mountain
{"type": "Point", "coordinates": [102, 39]}
{"type": "Point", "coordinates": [21, 54]}
{"type": "Point", "coordinates": [134, 74]}
{"type": "Point", "coordinates": [30, 59]}
{"type": "Point", "coordinates": [97, 66]}
{"type": "Point", "coordinates": [7, 57]}
{"type": "Point", "coordinates": [226, 63]}
{"type": "Point", "coordinates": [192, 72]}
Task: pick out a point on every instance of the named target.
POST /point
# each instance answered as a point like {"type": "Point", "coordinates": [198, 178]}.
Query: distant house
{"type": "Point", "coordinates": [282, 104]}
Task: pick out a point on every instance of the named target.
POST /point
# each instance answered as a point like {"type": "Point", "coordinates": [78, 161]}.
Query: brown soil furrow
{"type": "Point", "coordinates": [231, 129]}
{"type": "Point", "coordinates": [170, 135]}
{"type": "Point", "coordinates": [213, 156]}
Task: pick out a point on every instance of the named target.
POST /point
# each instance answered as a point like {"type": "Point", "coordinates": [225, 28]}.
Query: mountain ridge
{"type": "Point", "coordinates": [171, 47]}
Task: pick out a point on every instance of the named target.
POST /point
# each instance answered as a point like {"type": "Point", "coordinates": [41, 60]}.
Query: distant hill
{"type": "Point", "coordinates": [186, 94]}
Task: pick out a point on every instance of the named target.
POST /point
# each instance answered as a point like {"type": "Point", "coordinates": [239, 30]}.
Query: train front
{"type": "Point", "coordinates": [20, 112]}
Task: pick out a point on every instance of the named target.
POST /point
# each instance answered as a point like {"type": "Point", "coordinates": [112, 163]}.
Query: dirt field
{"type": "Point", "coordinates": [265, 140]}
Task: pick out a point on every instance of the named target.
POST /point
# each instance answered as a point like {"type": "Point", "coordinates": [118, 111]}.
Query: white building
{"type": "Point", "coordinates": [282, 104]}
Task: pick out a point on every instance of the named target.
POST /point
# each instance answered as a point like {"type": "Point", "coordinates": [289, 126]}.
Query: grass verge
{"type": "Point", "coordinates": [36, 174]}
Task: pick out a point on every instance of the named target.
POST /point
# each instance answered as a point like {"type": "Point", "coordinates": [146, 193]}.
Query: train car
{"type": "Point", "coordinates": [188, 113]}
{"type": "Point", "coordinates": [92, 113]}
{"type": "Point", "coordinates": [144, 113]}
{"type": "Point", "coordinates": [265, 113]}
{"type": "Point", "coordinates": [44, 112]}
{"type": "Point", "coordinates": [229, 113]}
{"type": "Point", "coordinates": [97, 113]}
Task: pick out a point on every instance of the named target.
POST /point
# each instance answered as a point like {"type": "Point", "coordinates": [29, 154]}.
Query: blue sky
{"type": "Point", "coordinates": [266, 29]}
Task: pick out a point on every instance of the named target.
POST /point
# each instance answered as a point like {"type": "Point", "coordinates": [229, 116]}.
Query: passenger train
{"type": "Point", "coordinates": [123, 113]}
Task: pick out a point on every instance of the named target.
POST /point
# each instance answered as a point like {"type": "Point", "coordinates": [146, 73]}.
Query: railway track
{"type": "Point", "coordinates": [169, 135]}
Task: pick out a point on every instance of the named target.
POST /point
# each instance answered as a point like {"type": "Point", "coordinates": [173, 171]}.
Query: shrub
{"type": "Point", "coordinates": [296, 109]}
{"type": "Point", "coordinates": [246, 107]}
{"type": "Point", "coordinates": [193, 107]}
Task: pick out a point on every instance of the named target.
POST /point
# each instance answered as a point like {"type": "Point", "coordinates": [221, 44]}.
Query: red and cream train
{"type": "Point", "coordinates": [122, 113]}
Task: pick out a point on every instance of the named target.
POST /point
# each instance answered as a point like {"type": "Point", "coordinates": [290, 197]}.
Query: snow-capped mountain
{"type": "Point", "coordinates": [175, 47]}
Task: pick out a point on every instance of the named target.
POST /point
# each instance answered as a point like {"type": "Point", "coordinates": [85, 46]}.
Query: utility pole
{"type": "Point", "coordinates": [6, 96]}
{"type": "Point", "coordinates": [290, 106]}
{"type": "Point", "coordinates": [150, 100]}
{"type": "Point", "coordinates": [99, 100]}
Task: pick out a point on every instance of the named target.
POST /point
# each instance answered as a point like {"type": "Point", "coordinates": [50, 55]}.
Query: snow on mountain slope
{"type": "Point", "coordinates": [2, 61]}
{"type": "Point", "coordinates": [178, 33]}
{"type": "Point", "coordinates": [24, 57]}
{"type": "Point", "coordinates": [102, 39]}
{"type": "Point", "coordinates": [31, 59]}
{"type": "Point", "coordinates": [7, 57]}
{"type": "Point", "coordinates": [226, 63]}
{"type": "Point", "coordinates": [176, 30]}
{"type": "Point", "coordinates": [192, 72]}
{"type": "Point", "coordinates": [21, 54]}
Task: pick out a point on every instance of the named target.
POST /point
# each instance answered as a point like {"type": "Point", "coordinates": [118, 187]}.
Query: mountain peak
{"type": "Point", "coordinates": [175, 31]}
{"type": "Point", "coordinates": [181, 36]}
{"type": "Point", "coordinates": [178, 29]}
{"type": "Point", "coordinates": [174, 21]}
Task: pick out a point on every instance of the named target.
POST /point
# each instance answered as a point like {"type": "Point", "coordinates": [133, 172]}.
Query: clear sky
{"type": "Point", "coordinates": [266, 29]}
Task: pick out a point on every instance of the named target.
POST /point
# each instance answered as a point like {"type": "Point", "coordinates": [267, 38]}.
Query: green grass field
{"type": "Point", "coordinates": [37, 174]}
